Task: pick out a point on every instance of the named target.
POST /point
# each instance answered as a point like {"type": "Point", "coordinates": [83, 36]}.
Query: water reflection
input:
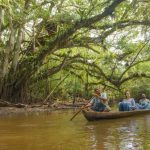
{"type": "Point", "coordinates": [123, 134]}
{"type": "Point", "coordinates": [54, 131]}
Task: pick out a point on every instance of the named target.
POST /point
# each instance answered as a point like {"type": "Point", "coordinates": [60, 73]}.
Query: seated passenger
{"type": "Point", "coordinates": [128, 103]}
{"type": "Point", "coordinates": [104, 99]}
{"type": "Point", "coordinates": [144, 103]}
{"type": "Point", "coordinates": [96, 102]}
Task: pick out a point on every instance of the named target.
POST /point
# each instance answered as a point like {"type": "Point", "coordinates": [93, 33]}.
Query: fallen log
{"type": "Point", "coordinates": [4, 103]}
{"type": "Point", "coordinates": [19, 105]}
{"type": "Point", "coordinates": [8, 104]}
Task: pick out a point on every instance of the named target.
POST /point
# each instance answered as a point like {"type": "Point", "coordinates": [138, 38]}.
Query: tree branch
{"type": "Point", "coordinates": [133, 76]}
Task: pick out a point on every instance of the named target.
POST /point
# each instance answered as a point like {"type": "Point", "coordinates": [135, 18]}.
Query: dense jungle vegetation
{"type": "Point", "coordinates": [61, 49]}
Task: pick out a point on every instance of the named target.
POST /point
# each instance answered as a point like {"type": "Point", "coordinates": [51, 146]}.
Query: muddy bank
{"type": "Point", "coordinates": [13, 110]}
{"type": "Point", "coordinates": [36, 108]}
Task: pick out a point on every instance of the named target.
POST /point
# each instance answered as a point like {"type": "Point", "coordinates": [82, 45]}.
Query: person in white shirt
{"type": "Point", "coordinates": [104, 99]}
{"type": "Point", "coordinates": [128, 104]}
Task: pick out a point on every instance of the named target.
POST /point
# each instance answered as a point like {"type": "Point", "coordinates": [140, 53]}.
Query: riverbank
{"type": "Point", "coordinates": [37, 108]}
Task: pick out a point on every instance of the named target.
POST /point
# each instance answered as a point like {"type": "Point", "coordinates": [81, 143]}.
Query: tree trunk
{"type": "Point", "coordinates": [13, 92]}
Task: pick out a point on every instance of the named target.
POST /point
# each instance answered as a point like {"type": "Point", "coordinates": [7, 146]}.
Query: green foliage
{"type": "Point", "coordinates": [96, 42]}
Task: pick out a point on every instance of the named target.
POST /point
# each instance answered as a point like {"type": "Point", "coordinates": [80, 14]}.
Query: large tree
{"type": "Point", "coordinates": [35, 33]}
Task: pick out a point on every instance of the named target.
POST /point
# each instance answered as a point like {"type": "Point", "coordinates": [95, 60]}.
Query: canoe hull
{"type": "Point", "coordinates": [92, 115]}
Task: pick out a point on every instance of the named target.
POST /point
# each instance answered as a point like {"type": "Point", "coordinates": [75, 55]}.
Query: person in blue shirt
{"type": "Point", "coordinates": [128, 103]}
{"type": "Point", "coordinates": [144, 103]}
{"type": "Point", "coordinates": [97, 103]}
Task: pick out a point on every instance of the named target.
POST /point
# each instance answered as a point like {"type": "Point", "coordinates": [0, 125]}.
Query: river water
{"type": "Point", "coordinates": [54, 131]}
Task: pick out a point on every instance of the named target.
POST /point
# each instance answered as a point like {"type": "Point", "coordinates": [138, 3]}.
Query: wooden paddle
{"type": "Point", "coordinates": [77, 113]}
{"type": "Point", "coordinates": [79, 110]}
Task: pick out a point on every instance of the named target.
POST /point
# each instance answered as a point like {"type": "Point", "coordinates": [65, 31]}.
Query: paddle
{"type": "Point", "coordinates": [79, 110]}
{"type": "Point", "coordinates": [76, 114]}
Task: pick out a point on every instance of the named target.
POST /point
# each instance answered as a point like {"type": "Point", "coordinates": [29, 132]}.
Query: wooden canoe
{"type": "Point", "coordinates": [92, 115]}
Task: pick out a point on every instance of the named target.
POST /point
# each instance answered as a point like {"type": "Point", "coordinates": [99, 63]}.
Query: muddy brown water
{"type": "Point", "coordinates": [54, 131]}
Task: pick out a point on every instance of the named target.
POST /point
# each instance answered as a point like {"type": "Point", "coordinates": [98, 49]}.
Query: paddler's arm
{"type": "Point", "coordinates": [88, 104]}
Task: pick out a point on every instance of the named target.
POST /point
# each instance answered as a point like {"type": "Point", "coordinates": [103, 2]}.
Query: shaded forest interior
{"type": "Point", "coordinates": [61, 50]}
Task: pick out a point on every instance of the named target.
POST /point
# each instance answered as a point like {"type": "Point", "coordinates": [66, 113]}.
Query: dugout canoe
{"type": "Point", "coordinates": [92, 115]}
